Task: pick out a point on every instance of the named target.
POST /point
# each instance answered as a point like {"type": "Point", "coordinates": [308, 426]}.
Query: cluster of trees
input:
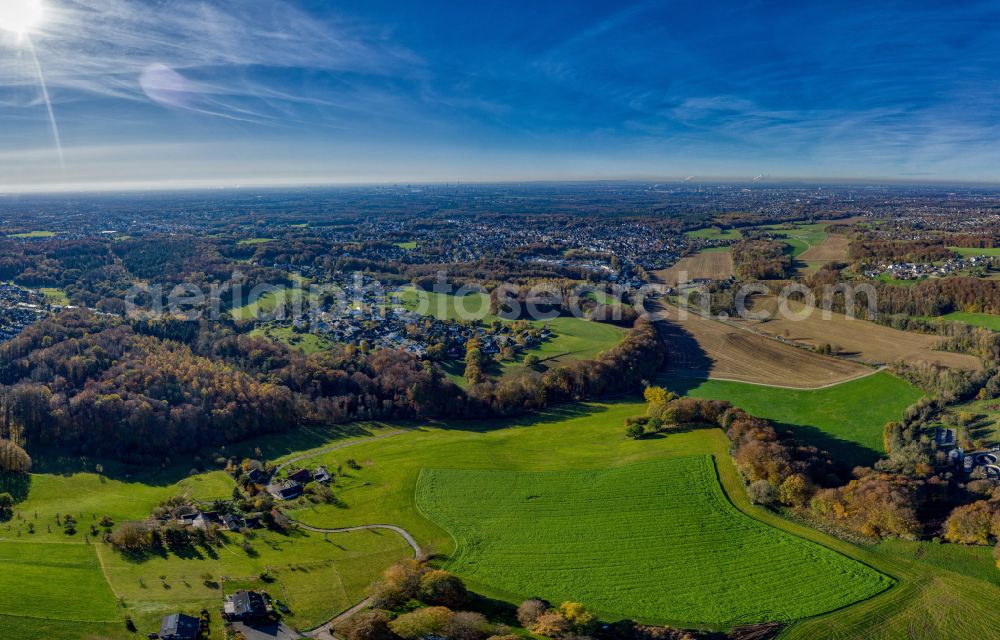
{"type": "Point", "coordinates": [413, 601]}
{"type": "Point", "coordinates": [666, 410]}
{"type": "Point", "coordinates": [975, 523]}
{"type": "Point", "coordinates": [761, 259]}
{"type": "Point", "coordinates": [624, 367]}
{"type": "Point", "coordinates": [867, 249]}
{"type": "Point", "coordinates": [874, 504]}
{"type": "Point", "coordinates": [13, 459]}
{"type": "Point", "coordinates": [568, 620]}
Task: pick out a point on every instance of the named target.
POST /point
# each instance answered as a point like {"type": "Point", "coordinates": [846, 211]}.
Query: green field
{"type": "Point", "coordinates": [799, 237]}
{"type": "Point", "coordinates": [984, 428]}
{"type": "Point", "coordinates": [307, 342]}
{"type": "Point", "coordinates": [986, 320]}
{"type": "Point", "coordinates": [87, 589]}
{"type": "Point", "coordinates": [252, 241]}
{"type": "Point", "coordinates": [33, 234]}
{"type": "Point", "coordinates": [409, 246]}
{"type": "Point", "coordinates": [942, 591]}
{"type": "Point", "coordinates": [54, 581]}
{"type": "Point", "coordinates": [55, 296]}
{"type": "Point", "coordinates": [932, 601]}
{"type": "Point", "coordinates": [649, 541]}
{"type": "Point", "coordinates": [575, 338]}
{"type": "Point", "coordinates": [968, 252]}
{"type": "Point", "coordinates": [268, 301]}
{"type": "Point", "coordinates": [714, 233]}
{"type": "Point", "coordinates": [846, 419]}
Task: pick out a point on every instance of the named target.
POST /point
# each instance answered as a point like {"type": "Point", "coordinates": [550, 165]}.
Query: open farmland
{"type": "Point", "coordinates": [55, 581]}
{"type": "Point", "coordinates": [823, 417]}
{"type": "Point", "coordinates": [855, 338]}
{"type": "Point", "coordinates": [704, 348]}
{"type": "Point", "coordinates": [711, 264]}
{"type": "Point", "coordinates": [670, 546]}
{"type": "Point", "coordinates": [832, 249]}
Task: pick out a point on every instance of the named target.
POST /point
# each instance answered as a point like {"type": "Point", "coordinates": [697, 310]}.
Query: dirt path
{"type": "Point", "coordinates": [340, 445]}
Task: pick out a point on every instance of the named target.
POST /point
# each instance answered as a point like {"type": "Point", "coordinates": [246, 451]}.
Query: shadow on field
{"type": "Point", "coordinates": [850, 453]}
{"type": "Point", "coordinates": [16, 484]}
{"type": "Point", "coordinates": [182, 465]}
{"type": "Point", "coordinates": [684, 354]}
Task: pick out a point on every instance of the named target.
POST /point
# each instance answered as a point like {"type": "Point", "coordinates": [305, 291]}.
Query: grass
{"type": "Point", "coordinates": [984, 429]}
{"type": "Point", "coordinates": [986, 320]}
{"type": "Point", "coordinates": [968, 252]}
{"type": "Point", "coordinates": [54, 581]}
{"type": "Point", "coordinates": [51, 574]}
{"type": "Point", "coordinates": [670, 546]}
{"type": "Point", "coordinates": [575, 338]}
{"type": "Point", "coordinates": [942, 593]}
{"type": "Point", "coordinates": [799, 237]}
{"type": "Point", "coordinates": [895, 282]}
{"type": "Point", "coordinates": [33, 234]}
{"type": "Point", "coordinates": [714, 233]}
{"type": "Point", "coordinates": [931, 601]}
{"type": "Point", "coordinates": [408, 246]}
{"type": "Point", "coordinates": [268, 301]}
{"type": "Point", "coordinates": [315, 576]}
{"type": "Point", "coordinates": [845, 419]}
{"type": "Point", "coordinates": [252, 241]}
{"type": "Point", "coordinates": [307, 342]}
{"type": "Point", "coordinates": [55, 296]}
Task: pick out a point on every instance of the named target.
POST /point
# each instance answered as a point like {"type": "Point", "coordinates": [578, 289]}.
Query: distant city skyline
{"type": "Point", "coordinates": [144, 94]}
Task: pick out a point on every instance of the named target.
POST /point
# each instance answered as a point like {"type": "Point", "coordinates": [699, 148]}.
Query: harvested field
{"type": "Point", "coordinates": [833, 249]}
{"type": "Point", "coordinates": [858, 339]}
{"type": "Point", "coordinates": [711, 265]}
{"type": "Point", "coordinates": [705, 348]}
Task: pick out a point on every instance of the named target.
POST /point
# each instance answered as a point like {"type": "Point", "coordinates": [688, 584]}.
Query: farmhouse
{"type": "Point", "coordinates": [245, 606]}
{"type": "Point", "coordinates": [301, 476]}
{"type": "Point", "coordinates": [321, 476]}
{"type": "Point", "coordinates": [178, 626]}
{"type": "Point", "coordinates": [288, 490]}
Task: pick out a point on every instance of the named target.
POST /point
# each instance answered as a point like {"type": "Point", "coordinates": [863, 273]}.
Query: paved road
{"type": "Point", "coordinates": [325, 630]}
{"type": "Point", "coordinates": [340, 445]}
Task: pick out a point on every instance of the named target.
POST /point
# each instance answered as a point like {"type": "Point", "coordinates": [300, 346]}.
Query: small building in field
{"type": "Point", "coordinates": [321, 475]}
{"type": "Point", "coordinates": [178, 626]}
{"type": "Point", "coordinates": [302, 476]}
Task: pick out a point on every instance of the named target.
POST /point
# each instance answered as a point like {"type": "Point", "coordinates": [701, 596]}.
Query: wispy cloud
{"type": "Point", "coordinates": [195, 55]}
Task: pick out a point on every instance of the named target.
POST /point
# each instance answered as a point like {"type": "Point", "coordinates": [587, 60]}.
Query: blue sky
{"type": "Point", "coordinates": [223, 92]}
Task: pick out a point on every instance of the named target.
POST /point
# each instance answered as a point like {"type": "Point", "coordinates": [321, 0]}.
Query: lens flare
{"type": "Point", "coordinates": [21, 16]}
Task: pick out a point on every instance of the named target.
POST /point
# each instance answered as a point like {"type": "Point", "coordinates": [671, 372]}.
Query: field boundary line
{"type": "Point", "coordinates": [780, 386]}
{"type": "Point", "coordinates": [104, 572]}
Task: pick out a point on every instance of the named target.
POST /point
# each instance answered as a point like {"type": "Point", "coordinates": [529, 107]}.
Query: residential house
{"type": "Point", "coordinates": [245, 606]}
{"type": "Point", "coordinates": [178, 626]}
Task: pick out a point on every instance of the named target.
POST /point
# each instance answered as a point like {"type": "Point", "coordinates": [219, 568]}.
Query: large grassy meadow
{"type": "Point", "coordinates": [651, 541]}
{"type": "Point", "coordinates": [846, 419]}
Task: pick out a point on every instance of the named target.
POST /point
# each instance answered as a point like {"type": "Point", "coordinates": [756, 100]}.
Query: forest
{"type": "Point", "coordinates": [134, 389]}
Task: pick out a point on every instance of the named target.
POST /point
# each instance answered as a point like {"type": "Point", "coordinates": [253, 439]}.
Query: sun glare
{"type": "Point", "coordinates": [20, 16]}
